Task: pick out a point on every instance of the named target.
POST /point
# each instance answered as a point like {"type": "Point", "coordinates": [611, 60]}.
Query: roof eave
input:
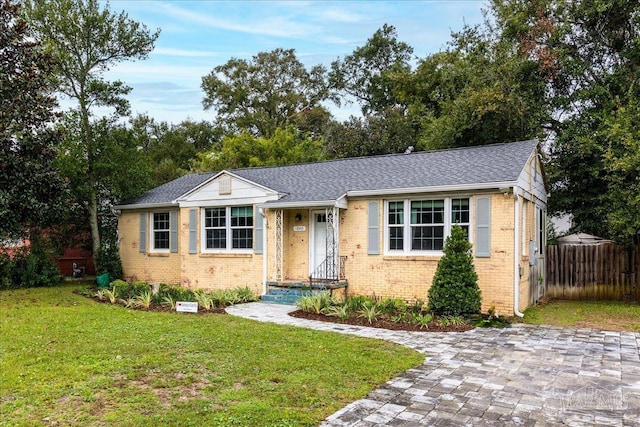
{"type": "Point", "coordinates": [147, 206]}
{"type": "Point", "coordinates": [432, 189]}
{"type": "Point", "coordinates": [339, 203]}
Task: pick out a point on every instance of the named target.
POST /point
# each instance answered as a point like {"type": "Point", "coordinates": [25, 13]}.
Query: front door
{"type": "Point", "coordinates": [319, 242]}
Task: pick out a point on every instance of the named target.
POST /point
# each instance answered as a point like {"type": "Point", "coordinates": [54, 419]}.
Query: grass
{"type": "Point", "coordinates": [67, 360]}
{"type": "Point", "coordinates": [604, 315]}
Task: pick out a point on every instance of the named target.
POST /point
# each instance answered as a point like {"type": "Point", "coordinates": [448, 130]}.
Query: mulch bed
{"type": "Point", "coordinates": [382, 323]}
{"type": "Point", "coordinates": [157, 307]}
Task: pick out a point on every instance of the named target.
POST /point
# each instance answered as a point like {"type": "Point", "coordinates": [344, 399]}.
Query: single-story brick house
{"type": "Point", "coordinates": [375, 223]}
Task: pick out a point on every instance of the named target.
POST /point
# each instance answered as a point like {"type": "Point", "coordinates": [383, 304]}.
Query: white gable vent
{"type": "Point", "coordinates": [224, 184]}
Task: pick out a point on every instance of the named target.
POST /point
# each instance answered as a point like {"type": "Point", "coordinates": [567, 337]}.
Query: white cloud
{"type": "Point", "coordinates": [165, 51]}
{"type": "Point", "coordinates": [270, 25]}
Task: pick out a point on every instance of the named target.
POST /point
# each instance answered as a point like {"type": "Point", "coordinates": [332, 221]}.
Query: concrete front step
{"type": "Point", "coordinates": [288, 291]}
{"type": "Point", "coordinates": [281, 299]}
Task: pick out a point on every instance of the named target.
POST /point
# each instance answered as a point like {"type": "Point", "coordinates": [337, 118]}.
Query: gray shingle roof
{"type": "Point", "coordinates": [330, 180]}
{"type": "Point", "coordinates": [167, 193]}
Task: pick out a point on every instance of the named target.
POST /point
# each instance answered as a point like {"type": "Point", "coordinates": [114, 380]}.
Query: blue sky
{"type": "Point", "coordinates": [199, 35]}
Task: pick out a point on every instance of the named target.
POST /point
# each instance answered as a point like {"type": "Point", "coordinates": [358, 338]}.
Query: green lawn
{"type": "Point", "coordinates": [605, 315]}
{"type": "Point", "coordinates": [66, 360]}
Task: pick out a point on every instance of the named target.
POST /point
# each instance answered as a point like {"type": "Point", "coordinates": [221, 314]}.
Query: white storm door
{"type": "Point", "coordinates": [319, 243]}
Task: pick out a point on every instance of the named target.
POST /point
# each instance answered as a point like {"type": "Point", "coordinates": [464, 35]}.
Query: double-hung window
{"type": "Point", "coordinates": [421, 226]}
{"type": "Point", "coordinates": [228, 228]}
{"type": "Point", "coordinates": [161, 231]}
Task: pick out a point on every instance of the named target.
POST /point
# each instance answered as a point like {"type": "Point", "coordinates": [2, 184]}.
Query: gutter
{"type": "Point", "coordinates": [147, 206]}
{"type": "Point", "coordinates": [302, 204]}
{"type": "Point", "coordinates": [516, 254]}
{"type": "Point", "coordinates": [432, 189]}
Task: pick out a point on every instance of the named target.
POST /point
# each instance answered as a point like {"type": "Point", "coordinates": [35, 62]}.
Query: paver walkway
{"type": "Point", "coordinates": [521, 376]}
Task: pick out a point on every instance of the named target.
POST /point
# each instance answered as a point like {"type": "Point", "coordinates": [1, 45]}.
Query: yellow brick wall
{"type": "Point", "coordinates": [149, 267]}
{"type": "Point", "coordinates": [409, 277]}
{"type": "Point", "coordinates": [406, 277]}
{"type": "Point", "coordinates": [216, 271]}
{"type": "Point", "coordinates": [195, 271]}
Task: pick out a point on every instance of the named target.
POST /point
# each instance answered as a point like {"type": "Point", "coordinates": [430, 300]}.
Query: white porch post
{"type": "Point", "coordinates": [333, 224]}
{"type": "Point", "coordinates": [278, 256]}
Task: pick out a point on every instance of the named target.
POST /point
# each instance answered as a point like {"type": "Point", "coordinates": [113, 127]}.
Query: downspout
{"type": "Point", "coordinates": [516, 254]}
{"type": "Point", "coordinates": [264, 250]}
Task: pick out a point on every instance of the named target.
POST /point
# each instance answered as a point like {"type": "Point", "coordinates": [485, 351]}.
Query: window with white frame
{"type": "Point", "coordinates": [228, 228]}
{"type": "Point", "coordinates": [160, 231]}
{"type": "Point", "coordinates": [427, 224]}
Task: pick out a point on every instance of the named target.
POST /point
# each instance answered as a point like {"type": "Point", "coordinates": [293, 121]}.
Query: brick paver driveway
{"type": "Point", "coordinates": [524, 375]}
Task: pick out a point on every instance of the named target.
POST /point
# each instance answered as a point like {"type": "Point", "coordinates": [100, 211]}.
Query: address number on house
{"type": "Point", "coordinates": [187, 307]}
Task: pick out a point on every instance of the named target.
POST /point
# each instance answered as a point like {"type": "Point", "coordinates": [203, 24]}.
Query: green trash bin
{"type": "Point", "coordinates": [103, 280]}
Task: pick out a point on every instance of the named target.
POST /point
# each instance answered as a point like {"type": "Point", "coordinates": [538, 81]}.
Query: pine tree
{"type": "Point", "coordinates": [455, 288]}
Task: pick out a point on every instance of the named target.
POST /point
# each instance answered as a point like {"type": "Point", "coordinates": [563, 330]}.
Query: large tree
{"type": "Point", "coordinates": [273, 89]}
{"type": "Point", "coordinates": [480, 90]}
{"type": "Point", "coordinates": [172, 148]}
{"type": "Point", "coordinates": [87, 38]}
{"type": "Point", "coordinates": [373, 76]}
{"type": "Point", "coordinates": [589, 52]}
{"type": "Point", "coordinates": [286, 146]}
{"type": "Point", "coordinates": [30, 187]}
{"type": "Point", "coordinates": [369, 73]}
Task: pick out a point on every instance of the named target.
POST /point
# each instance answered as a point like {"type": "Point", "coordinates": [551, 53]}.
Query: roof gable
{"type": "Point", "coordinates": [224, 188]}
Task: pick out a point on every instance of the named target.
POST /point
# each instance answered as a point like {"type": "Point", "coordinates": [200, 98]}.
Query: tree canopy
{"type": "Point", "coordinates": [286, 146]}
{"type": "Point", "coordinates": [589, 53]}
{"type": "Point", "coordinates": [272, 90]}
{"type": "Point", "coordinates": [31, 189]}
{"type": "Point", "coordinates": [88, 38]}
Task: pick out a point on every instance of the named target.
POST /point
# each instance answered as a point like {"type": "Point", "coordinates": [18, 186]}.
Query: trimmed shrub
{"type": "Point", "coordinates": [455, 290]}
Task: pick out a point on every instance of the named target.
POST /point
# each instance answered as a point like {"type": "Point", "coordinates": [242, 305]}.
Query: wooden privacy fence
{"type": "Point", "coordinates": [593, 272]}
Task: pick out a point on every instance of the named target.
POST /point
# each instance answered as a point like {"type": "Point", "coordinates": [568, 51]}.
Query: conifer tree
{"type": "Point", "coordinates": [455, 288]}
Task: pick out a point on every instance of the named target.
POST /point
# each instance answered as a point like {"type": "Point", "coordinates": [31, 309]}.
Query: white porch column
{"type": "Point", "coordinates": [333, 236]}
{"type": "Point", "coordinates": [279, 236]}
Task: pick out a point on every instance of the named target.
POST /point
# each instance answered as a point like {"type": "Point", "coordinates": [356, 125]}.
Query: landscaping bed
{"type": "Point", "coordinates": [146, 297]}
{"type": "Point", "coordinates": [383, 323]}
{"type": "Point", "coordinates": [392, 314]}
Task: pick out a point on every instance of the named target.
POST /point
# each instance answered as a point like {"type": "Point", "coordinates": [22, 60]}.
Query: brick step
{"type": "Point", "coordinates": [281, 299]}
{"type": "Point", "coordinates": [287, 291]}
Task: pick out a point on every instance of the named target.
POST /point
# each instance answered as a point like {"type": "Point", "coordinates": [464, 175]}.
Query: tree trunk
{"type": "Point", "coordinates": [95, 232]}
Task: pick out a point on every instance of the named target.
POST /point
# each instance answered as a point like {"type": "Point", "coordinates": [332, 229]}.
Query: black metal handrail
{"type": "Point", "coordinates": [328, 272]}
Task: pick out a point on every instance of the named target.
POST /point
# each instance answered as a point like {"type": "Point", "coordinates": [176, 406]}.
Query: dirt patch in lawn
{"type": "Point", "coordinates": [620, 322]}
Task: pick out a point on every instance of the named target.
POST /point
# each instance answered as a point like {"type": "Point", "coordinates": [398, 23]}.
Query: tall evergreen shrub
{"type": "Point", "coordinates": [455, 288]}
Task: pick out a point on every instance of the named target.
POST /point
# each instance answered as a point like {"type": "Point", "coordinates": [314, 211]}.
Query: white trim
{"type": "Point", "coordinates": [305, 204]}
{"type": "Point", "coordinates": [216, 203]}
{"type": "Point", "coordinates": [516, 253]}
{"type": "Point", "coordinates": [312, 237]}
{"type": "Point", "coordinates": [152, 233]}
{"type": "Point", "coordinates": [213, 178]}
{"type": "Point", "coordinates": [447, 224]}
{"type": "Point", "coordinates": [265, 256]}
{"type": "Point", "coordinates": [228, 232]}
{"type": "Point", "coordinates": [147, 206]}
{"type": "Point", "coordinates": [433, 189]}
